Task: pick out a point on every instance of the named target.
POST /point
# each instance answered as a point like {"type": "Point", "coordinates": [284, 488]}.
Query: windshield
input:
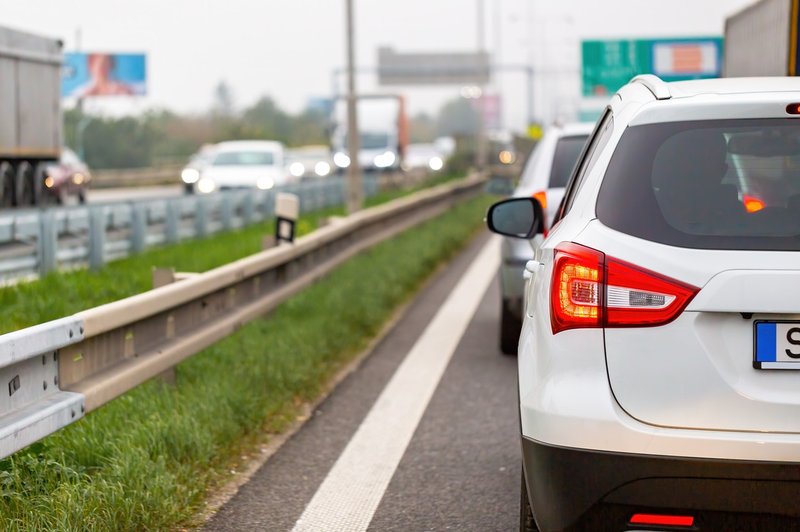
{"type": "Point", "coordinates": [244, 158]}
{"type": "Point", "coordinates": [567, 151]}
{"type": "Point", "coordinates": [374, 141]}
{"type": "Point", "coordinates": [723, 184]}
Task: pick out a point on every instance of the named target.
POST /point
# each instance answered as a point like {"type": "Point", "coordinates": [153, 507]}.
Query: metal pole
{"type": "Point", "coordinates": [481, 148]}
{"type": "Point", "coordinates": [354, 192]}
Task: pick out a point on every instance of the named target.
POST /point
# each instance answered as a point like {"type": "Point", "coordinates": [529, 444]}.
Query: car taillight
{"type": "Point", "coordinates": [752, 203]}
{"type": "Point", "coordinates": [590, 289]}
{"type": "Point", "coordinates": [541, 197]}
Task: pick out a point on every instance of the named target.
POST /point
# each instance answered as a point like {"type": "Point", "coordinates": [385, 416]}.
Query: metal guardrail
{"type": "Point", "coordinates": [39, 241]}
{"type": "Point", "coordinates": [58, 371]}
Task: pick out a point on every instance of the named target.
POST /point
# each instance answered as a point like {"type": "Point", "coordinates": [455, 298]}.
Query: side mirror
{"type": "Point", "coordinates": [517, 217]}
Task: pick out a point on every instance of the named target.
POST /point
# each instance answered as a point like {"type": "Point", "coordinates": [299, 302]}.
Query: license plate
{"type": "Point", "coordinates": [776, 345]}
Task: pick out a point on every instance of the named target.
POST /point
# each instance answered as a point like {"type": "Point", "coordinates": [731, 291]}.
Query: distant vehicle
{"type": "Point", "coordinates": [544, 177]}
{"type": "Point", "coordinates": [424, 156]}
{"type": "Point", "coordinates": [309, 162]}
{"type": "Point", "coordinates": [383, 132]}
{"type": "Point", "coordinates": [68, 177]}
{"type": "Point", "coordinates": [190, 174]}
{"type": "Point", "coordinates": [658, 365]}
{"type": "Point", "coordinates": [257, 164]}
{"type": "Point", "coordinates": [30, 114]}
{"type": "Point", "coordinates": [761, 40]}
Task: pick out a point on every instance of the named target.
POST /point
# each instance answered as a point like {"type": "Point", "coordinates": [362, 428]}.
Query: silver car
{"type": "Point", "coordinates": [544, 177]}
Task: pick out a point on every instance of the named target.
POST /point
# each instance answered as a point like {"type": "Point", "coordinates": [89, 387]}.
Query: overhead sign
{"type": "Point", "coordinates": [608, 65]}
{"type": "Point", "coordinates": [432, 68]}
{"type": "Point", "coordinates": [103, 74]}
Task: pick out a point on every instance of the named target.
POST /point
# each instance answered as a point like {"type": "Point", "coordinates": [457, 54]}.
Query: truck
{"type": "Point", "coordinates": [30, 114]}
{"type": "Point", "coordinates": [383, 132]}
{"type": "Point", "coordinates": [762, 40]}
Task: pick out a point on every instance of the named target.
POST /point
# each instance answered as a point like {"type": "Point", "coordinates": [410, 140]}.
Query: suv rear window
{"type": "Point", "coordinates": [567, 151]}
{"type": "Point", "coordinates": [722, 184]}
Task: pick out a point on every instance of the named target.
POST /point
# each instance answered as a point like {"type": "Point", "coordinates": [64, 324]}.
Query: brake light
{"type": "Point", "coordinates": [662, 520]}
{"type": "Point", "coordinates": [576, 287]}
{"type": "Point", "coordinates": [541, 197]}
{"type": "Point", "coordinates": [590, 290]}
{"type": "Point", "coordinates": [752, 203]}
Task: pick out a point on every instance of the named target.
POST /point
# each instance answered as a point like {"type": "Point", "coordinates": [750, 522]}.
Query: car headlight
{"type": "Point", "coordinates": [385, 160]}
{"type": "Point", "coordinates": [341, 160]}
{"type": "Point", "coordinates": [78, 178]}
{"type": "Point", "coordinates": [297, 169]}
{"type": "Point", "coordinates": [506, 157]}
{"type": "Point", "coordinates": [190, 175]}
{"type": "Point", "coordinates": [436, 163]}
{"type": "Point", "coordinates": [322, 169]}
{"type": "Point", "coordinates": [266, 183]}
{"type": "Point", "coordinates": [49, 182]}
{"type": "Point", "coordinates": [206, 185]}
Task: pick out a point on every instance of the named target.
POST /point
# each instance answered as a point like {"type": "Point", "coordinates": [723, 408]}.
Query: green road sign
{"type": "Point", "coordinates": [608, 65]}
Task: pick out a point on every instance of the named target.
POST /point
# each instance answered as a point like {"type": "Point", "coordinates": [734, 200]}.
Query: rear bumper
{"type": "Point", "coordinates": [576, 489]}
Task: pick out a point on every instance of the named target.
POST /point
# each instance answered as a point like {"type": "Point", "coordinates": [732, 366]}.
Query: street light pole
{"type": "Point", "coordinates": [481, 148]}
{"type": "Point", "coordinates": [354, 189]}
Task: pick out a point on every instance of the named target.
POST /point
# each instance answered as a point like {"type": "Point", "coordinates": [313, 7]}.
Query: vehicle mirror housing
{"type": "Point", "coordinates": [516, 217]}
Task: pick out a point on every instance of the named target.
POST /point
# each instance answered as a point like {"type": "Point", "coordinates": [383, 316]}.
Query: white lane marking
{"type": "Point", "coordinates": [348, 497]}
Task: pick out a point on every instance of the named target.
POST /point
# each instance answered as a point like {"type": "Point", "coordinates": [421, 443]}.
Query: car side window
{"type": "Point", "coordinates": [593, 151]}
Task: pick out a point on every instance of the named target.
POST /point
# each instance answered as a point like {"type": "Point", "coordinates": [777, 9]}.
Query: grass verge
{"type": "Point", "coordinates": [146, 460]}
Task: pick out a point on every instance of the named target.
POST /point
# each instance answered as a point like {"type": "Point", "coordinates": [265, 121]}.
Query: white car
{"type": "Point", "coordinates": [544, 177]}
{"type": "Point", "coordinates": [257, 164]}
{"type": "Point", "coordinates": [659, 360]}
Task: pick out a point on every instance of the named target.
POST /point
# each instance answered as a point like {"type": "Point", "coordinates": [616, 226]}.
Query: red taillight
{"type": "Point", "coordinates": [576, 290]}
{"type": "Point", "coordinates": [662, 520]}
{"type": "Point", "coordinates": [590, 289]}
{"type": "Point", "coordinates": [541, 197]}
{"type": "Point", "coordinates": [752, 203]}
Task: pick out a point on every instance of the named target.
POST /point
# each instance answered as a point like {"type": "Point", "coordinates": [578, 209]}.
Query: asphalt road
{"type": "Point", "coordinates": [112, 195]}
{"type": "Point", "coordinates": [461, 467]}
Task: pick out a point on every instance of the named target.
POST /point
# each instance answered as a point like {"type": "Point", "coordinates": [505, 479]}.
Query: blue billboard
{"type": "Point", "coordinates": [103, 74]}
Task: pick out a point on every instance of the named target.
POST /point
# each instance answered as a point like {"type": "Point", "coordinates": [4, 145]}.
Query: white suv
{"type": "Point", "coordinates": [544, 177]}
{"type": "Point", "coordinates": [659, 360]}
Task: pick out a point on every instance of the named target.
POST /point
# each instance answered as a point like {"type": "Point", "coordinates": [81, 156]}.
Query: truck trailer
{"type": "Point", "coordinates": [30, 114]}
{"type": "Point", "coordinates": [383, 132]}
{"type": "Point", "coordinates": [762, 40]}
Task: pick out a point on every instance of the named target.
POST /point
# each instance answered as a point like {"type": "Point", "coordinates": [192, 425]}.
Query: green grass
{"type": "Point", "coordinates": [146, 460]}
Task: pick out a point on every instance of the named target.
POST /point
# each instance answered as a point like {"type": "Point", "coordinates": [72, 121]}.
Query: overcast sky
{"type": "Point", "coordinates": [289, 48]}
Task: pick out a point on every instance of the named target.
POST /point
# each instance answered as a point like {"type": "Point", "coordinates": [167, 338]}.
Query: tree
{"type": "Point", "coordinates": [457, 117]}
{"type": "Point", "coordinates": [223, 100]}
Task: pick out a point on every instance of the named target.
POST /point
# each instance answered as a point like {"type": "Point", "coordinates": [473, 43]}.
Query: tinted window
{"type": "Point", "coordinates": [724, 184]}
{"type": "Point", "coordinates": [567, 151]}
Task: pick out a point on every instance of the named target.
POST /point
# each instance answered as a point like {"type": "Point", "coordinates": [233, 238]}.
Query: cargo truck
{"type": "Point", "coordinates": [761, 40]}
{"type": "Point", "coordinates": [30, 114]}
{"type": "Point", "coordinates": [383, 132]}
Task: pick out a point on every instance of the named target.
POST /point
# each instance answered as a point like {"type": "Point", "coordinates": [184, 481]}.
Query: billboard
{"type": "Point", "coordinates": [432, 68]}
{"type": "Point", "coordinates": [608, 65]}
{"type": "Point", "coordinates": [103, 74]}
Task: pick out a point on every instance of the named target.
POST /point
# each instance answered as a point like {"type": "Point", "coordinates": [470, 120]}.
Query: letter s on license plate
{"type": "Point", "coordinates": [776, 345]}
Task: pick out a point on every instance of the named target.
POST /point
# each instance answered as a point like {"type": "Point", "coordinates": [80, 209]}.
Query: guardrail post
{"type": "Point", "coordinates": [173, 218]}
{"type": "Point", "coordinates": [97, 237]}
{"type": "Point", "coordinates": [48, 242]}
{"type": "Point", "coordinates": [201, 217]}
{"type": "Point", "coordinates": [248, 210]}
{"type": "Point", "coordinates": [138, 228]}
{"type": "Point", "coordinates": [163, 277]}
{"type": "Point", "coordinates": [227, 211]}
